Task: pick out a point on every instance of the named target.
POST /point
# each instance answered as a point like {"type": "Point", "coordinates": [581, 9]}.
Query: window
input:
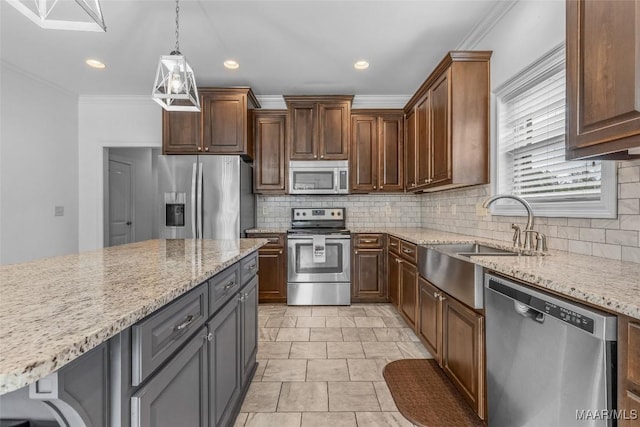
{"type": "Point", "coordinates": [530, 149]}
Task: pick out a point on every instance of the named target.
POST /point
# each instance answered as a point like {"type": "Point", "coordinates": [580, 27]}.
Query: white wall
{"type": "Point", "coordinates": [108, 122]}
{"type": "Point", "coordinates": [38, 168]}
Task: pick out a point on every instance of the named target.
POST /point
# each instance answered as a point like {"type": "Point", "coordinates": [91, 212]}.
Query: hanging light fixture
{"type": "Point", "coordinates": [175, 86]}
{"type": "Point", "coordinates": [45, 14]}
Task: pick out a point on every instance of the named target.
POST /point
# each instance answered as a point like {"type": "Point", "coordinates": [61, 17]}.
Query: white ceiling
{"type": "Point", "coordinates": [283, 47]}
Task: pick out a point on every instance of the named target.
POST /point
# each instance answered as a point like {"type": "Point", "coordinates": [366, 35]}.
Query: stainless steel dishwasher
{"type": "Point", "coordinates": [550, 362]}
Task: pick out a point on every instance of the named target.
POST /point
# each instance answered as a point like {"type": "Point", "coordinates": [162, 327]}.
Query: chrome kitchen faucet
{"type": "Point", "coordinates": [541, 239]}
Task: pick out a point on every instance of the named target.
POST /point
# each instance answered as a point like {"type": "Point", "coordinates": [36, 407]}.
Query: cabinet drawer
{"type": "Point", "coordinates": [276, 240]}
{"type": "Point", "coordinates": [223, 286]}
{"type": "Point", "coordinates": [408, 251]}
{"type": "Point", "coordinates": [156, 338]}
{"type": "Point", "coordinates": [248, 267]}
{"type": "Point", "coordinates": [393, 244]}
{"type": "Point", "coordinates": [369, 241]}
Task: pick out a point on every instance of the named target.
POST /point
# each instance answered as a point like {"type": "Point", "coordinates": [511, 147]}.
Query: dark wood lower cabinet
{"type": "Point", "coordinates": [393, 278]}
{"type": "Point", "coordinates": [272, 267]}
{"type": "Point", "coordinates": [463, 355]}
{"type": "Point", "coordinates": [430, 318]}
{"type": "Point", "coordinates": [408, 292]}
{"type": "Point", "coordinates": [628, 371]}
{"type": "Point", "coordinates": [368, 275]}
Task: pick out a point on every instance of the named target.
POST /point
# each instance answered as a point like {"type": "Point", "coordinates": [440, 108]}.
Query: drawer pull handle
{"type": "Point", "coordinates": [184, 324]}
{"type": "Point", "coordinates": [252, 267]}
{"type": "Point", "coordinates": [368, 241]}
{"type": "Point", "coordinates": [229, 285]}
{"type": "Point", "coordinates": [393, 244]}
{"type": "Point", "coordinates": [273, 239]}
{"type": "Point", "coordinates": [407, 251]}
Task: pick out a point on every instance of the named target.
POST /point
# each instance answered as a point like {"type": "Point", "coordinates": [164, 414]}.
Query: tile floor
{"type": "Point", "coordinates": [322, 366]}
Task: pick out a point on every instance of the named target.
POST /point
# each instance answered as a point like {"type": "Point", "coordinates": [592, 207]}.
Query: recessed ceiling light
{"type": "Point", "coordinates": [94, 63]}
{"type": "Point", "coordinates": [231, 64]}
{"type": "Point", "coordinates": [361, 65]}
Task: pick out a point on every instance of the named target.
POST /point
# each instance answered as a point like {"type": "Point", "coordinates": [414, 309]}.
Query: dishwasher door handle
{"type": "Point", "coordinates": [526, 311]}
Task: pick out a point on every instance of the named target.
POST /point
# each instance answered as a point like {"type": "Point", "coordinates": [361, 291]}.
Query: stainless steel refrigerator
{"type": "Point", "coordinates": [205, 197]}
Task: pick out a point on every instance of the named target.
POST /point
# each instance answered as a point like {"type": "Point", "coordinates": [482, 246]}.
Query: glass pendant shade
{"type": "Point", "coordinates": [175, 86]}
{"type": "Point", "coordinates": [62, 15]}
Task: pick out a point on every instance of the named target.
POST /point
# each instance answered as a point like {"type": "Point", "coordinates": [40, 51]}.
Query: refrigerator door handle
{"type": "Point", "coordinates": [200, 207]}
{"type": "Point", "coordinates": [194, 174]}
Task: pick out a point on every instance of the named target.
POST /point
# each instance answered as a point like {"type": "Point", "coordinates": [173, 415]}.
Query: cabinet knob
{"type": "Point", "coordinates": [435, 294]}
{"type": "Point", "coordinates": [199, 148]}
{"type": "Point", "coordinates": [441, 298]}
{"type": "Point", "coordinates": [209, 336]}
{"type": "Point", "coordinates": [381, 187]}
{"type": "Point", "coordinates": [322, 157]}
{"type": "Point", "coordinates": [315, 156]}
{"type": "Point", "coordinates": [356, 251]}
{"type": "Point", "coordinates": [374, 187]}
{"type": "Point", "coordinates": [206, 148]}
{"type": "Point", "coordinates": [280, 252]}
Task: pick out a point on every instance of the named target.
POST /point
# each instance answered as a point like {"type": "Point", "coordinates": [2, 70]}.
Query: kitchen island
{"type": "Point", "coordinates": [53, 311]}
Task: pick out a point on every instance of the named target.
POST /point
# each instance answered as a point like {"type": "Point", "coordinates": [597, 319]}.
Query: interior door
{"type": "Point", "coordinates": [120, 203]}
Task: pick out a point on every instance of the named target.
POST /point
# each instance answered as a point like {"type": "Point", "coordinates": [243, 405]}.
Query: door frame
{"type": "Point", "coordinates": [107, 194]}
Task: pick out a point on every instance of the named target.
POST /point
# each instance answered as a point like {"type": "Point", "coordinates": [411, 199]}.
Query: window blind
{"type": "Point", "coordinates": [532, 143]}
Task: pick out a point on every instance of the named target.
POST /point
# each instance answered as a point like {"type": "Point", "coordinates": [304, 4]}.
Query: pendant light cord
{"type": "Point", "coordinates": [177, 26]}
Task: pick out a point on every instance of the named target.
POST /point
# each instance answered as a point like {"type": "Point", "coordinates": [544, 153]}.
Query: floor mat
{"type": "Point", "coordinates": [425, 396]}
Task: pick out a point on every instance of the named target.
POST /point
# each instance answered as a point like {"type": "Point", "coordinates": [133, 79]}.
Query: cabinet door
{"type": "Point", "coordinates": [603, 53]}
{"type": "Point", "coordinates": [224, 364]}
{"type": "Point", "coordinates": [408, 292]}
{"type": "Point", "coordinates": [440, 152]}
{"type": "Point", "coordinates": [249, 311]}
{"type": "Point", "coordinates": [368, 282]}
{"type": "Point", "coordinates": [463, 351]}
{"type": "Point", "coordinates": [393, 278]}
{"type": "Point", "coordinates": [364, 153]}
{"type": "Point", "coordinates": [270, 157]}
{"type": "Point", "coordinates": [177, 394]}
{"type": "Point", "coordinates": [430, 318]}
{"type": "Point", "coordinates": [391, 153]}
{"type": "Point", "coordinates": [273, 277]}
{"type": "Point", "coordinates": [423, 141]}
{"type": "Point", "coordinates": [628, 369]}
{"type": "Point", "coordinates": [302, 134]}
{"type": "Point", "coordinates": [333, 130]}
{"type": "Point", "coordinates": [181, 132]}
{"type": "Point", "coordinates": [410, 151]}
{"type": "Point", "coordinates": [224, 119]}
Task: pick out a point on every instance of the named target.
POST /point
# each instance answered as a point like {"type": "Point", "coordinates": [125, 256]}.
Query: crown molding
{"type": "Point", "coordinates": [116, 99]}
{"type": "Point", "coordinates": [486, 24]}
{"type": "Point", "coordinates": [31, 76]}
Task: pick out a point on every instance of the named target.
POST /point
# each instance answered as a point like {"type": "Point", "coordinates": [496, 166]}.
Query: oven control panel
{"type": "Point", "coordinates": [315, 214]}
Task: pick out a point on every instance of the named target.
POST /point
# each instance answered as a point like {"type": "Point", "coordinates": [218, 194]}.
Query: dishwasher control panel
{"type": "Point", "coordinates": [565, 314]}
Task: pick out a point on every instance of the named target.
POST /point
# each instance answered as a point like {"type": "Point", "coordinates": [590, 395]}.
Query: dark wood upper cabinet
{"type": "Point", "coordinates": [377, 151]}
{"type": "Point", "coordinates": [181, 132]}
{"type": "Point", "coordinates": [603, 71]}
{"type": "Point", "coordinates": [448, 125]}
{"type": "Point", "coordinates": [319, 127]}
{"type": "Point", "coordinates": [270, 162]}
{"type": "Point", "coordinates": [223, 126]}
{"type": "Point", "coordinates": [410, 150]}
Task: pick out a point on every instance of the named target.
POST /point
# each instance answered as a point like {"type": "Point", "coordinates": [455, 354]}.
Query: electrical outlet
{"type": "Point", "coordinates": [387, 208]}
{"type": "Point", "coordinates": [481, 210]}
{"type": "Point", "coordinates": [454, 209]}
{"type": "Point", "coordinates": [265, 211]}
{"type": "Point", "coordinates": [438, 208]}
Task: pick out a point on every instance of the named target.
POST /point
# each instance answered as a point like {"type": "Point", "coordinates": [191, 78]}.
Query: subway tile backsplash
{"type": "Point", "coordinates": [455, 211]}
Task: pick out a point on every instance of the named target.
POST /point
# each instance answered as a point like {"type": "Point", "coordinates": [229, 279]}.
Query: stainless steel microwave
{"type": "Point", "coordinates": [319, 177]}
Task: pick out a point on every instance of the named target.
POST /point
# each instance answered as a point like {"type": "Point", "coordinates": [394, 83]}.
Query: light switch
{"type": "Point", "coordinates": [59, 211]}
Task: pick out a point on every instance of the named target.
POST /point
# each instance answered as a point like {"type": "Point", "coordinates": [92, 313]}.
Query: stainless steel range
{"type": "Point", "coordinates": [319, 257]}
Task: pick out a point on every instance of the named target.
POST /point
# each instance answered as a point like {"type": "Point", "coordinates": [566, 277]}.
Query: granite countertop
{"type": "Point", "coordinates": [270, 230]}
{"type": "Point", "coordinates": [608, 284]}
{"type": "Point", "coordinates": [53, 310]}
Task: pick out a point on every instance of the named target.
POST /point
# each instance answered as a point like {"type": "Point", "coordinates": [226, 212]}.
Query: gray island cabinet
{"type": "Point", "coordinates": [188, 363]}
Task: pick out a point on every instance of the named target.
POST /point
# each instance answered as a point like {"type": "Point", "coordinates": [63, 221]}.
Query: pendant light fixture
{"type": "Point", "coordinates": [45, 14]}
{"type": "Point", "coordinates": [175, 85]}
